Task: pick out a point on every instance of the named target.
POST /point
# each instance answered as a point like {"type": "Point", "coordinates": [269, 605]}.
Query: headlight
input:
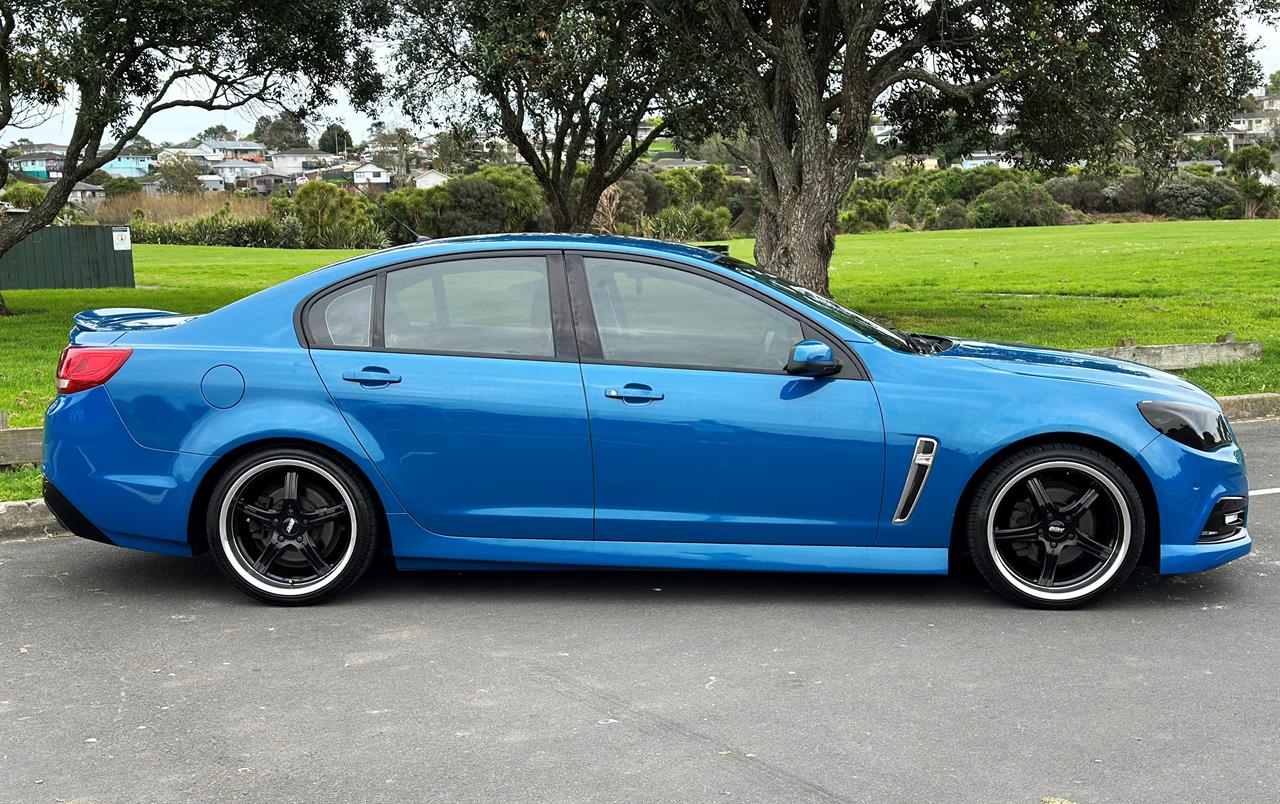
{"type": "Point", "coordinates": [1194, 425]}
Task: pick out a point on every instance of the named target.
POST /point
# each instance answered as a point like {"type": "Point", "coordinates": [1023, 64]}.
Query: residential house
{"type": "Point", "coordinates": [200, 153]}
{"type": "Point", "coordinates": [213, 182]}
{"type": "Point", "coordinates": [428, 179]}
{"type": "Point", "coordinates": [268, 182]}
{"type": "Point", "coordinates": [1235, 137]}
{"type": "Point", "coordinates": [150, 183]}
{"type": "Point", "coordinates": [883, 132]}
{"type": "Point", "coordinates": [293, 161]}
{"type": "Point", "coordinates": [916, 161]}
{"type": "Point", "coordinates": [371, 175]}
{"type": "Point", "coordinates": [236, 149]}
{"type": "Point", "coordinates": [130, 165]}
{"type": "Point", "coordinates": [1255, 123]}
{"type": "Point", "coordinates": [232, 169]}
{"type": "Point", "coordinates": [986, 159]}
{"type": "Point", "coordinates": [667, 163]}
{"type": "Point", "coordinates": [39, 164]}
{"type": "Point", "coordinates": [83, 194]}
{"type": "Point", "coordinates": [41, 147]}
{"type": "Point", "coordinates": [1268, 103]}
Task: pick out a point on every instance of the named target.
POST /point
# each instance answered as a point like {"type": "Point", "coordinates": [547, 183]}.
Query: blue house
{"type": "Point", "coordinates": [44, 165]}
{"type": "Point", "coordinates": [129, 165]}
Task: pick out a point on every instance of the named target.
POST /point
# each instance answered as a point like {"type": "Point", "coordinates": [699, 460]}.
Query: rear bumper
{"type": "Point", "coordinates": [69, 516]}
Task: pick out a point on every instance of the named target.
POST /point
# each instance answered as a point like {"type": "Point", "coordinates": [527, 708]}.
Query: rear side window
{"type": "Point", "coordinates": [489, 306]}
{"type": "Point", "coordinates": [343, 317]}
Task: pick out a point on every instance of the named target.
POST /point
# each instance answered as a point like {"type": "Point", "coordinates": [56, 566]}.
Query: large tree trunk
{"type": "Point", "coordinates": [797, 239]}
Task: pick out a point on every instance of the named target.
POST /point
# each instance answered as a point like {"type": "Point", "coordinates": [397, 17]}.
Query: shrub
{"type": "Point", "coordinates": [1011, 203]}
{"type": "Point", "coordinates": [1078, 192]}
{"type": "Point", "coordinates": [121, 185]}
{"type": "Point", "coordinates": [954, 215]}
{"type": "Point", "coordinates": [329, 215]}
{"type": "Point", "coordinates": [1124, 195]}
{"type": "Point", "coordinates": [1188, 196]}
{"type": "Point", "coordinates": [864, 215]}
{"type": "Point", "coordinates": [23, 195]}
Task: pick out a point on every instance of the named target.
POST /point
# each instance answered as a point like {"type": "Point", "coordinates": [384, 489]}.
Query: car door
{"type": "Point", "coordinates": [460, 379]}
{"type": "Point", "coordinates": [697, 431]}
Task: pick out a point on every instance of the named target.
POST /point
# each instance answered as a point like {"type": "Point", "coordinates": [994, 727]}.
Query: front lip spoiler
{"type": "Point", "coordinates": [69, 516]}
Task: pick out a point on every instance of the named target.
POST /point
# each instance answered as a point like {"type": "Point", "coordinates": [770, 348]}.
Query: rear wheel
{"type": "Point", "coordinates": [1056, 526]}
{"type": "Point", "coordinates": [291, 527]}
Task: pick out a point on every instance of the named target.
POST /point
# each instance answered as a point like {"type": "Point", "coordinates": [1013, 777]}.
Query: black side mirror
{"type": "Point", "coordinates": [812, 359]}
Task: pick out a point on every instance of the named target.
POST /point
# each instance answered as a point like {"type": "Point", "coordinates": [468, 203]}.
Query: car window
{"type": "Point", "coordinates": [342, 318]}
{"type": "Point", "coordinates": [491, 306]}
{"type": "Point", "coordinates": [653, 314]}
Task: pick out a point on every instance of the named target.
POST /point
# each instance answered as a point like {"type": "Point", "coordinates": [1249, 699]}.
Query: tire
{"type": "Point", "coordinates": [1056, 526]}
{"type": "Point", "coordinates": [291, 527]}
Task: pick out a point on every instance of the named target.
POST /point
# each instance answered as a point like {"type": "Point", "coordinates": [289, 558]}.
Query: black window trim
{"type": "Point", "coordinates": [565, 347]}
{"type": "Point", "coordinates": [591, 350]}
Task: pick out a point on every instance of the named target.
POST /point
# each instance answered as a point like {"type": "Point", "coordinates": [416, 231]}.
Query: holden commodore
{"type": "Point", "coordinates": [545, 401]}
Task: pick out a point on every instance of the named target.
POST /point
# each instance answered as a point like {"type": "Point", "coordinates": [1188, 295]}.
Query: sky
{"type": "Point", "coordinates": [177, 125]}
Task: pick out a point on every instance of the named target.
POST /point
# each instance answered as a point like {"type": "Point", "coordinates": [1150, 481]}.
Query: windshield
{"type": "Point", "coordinates": [819, 303]}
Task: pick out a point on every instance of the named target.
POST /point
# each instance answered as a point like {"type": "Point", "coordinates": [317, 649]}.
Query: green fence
{"type": "Point", "coordinates": [70, 257]}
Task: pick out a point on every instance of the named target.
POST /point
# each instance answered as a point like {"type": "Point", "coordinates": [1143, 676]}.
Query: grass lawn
{"type": "Point", "coordinates": [1071, 286]}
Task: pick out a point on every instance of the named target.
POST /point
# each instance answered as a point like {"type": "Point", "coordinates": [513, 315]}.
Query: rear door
{"type": "Point", "coordinates": [460, 378]}
{"type": "Point", "coordinates": [698, 433]}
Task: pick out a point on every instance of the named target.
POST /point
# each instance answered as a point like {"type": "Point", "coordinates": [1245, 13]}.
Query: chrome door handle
{"type": "Point", "coordinates": [631, 392]}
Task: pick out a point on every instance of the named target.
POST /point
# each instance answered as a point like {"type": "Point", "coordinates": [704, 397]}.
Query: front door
{"type": "Point", "coordinates": [698, 434]}
{"type": "Point", "coordinates": [465, 392]}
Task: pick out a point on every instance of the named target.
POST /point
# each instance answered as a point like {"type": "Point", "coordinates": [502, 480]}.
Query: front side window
{"type": "Point", "coordinates": [653, 314]}
{"type": "Point", "coordinates": [342, 317]}
{"type": "Point", "coordinates": [490, 306]}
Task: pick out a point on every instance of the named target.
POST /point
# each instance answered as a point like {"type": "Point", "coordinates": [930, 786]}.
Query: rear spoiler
{"type": "Point", "coordinates": [123, 319]}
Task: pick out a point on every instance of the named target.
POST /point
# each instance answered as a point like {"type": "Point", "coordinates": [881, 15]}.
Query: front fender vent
{"type": "Point", "coordinates": [921, 463]}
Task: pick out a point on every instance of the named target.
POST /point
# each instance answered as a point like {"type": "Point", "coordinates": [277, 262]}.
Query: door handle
{"type": "Point", "coordinates": [637, 393]}
{"type": "Point", "coordinates": [371, 377]}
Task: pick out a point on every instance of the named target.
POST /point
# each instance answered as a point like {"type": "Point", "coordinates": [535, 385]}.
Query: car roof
{"type": "Point", "coordinates": [541, 240]}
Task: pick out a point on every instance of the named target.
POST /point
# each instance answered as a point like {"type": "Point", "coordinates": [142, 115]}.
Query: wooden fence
{"type": "Point", "coordinates": [70, 257]}
{"type": "Point", "coordinates": [19, 445]}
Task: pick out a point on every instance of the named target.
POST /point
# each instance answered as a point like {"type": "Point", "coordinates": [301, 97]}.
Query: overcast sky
{"type": "Point", "coordinates": [177, 125]}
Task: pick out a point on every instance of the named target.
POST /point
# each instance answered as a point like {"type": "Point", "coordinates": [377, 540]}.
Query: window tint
{"type": "Point", "coordinates": [495, 305]}
{"type": "Point", "coordinates": [342, 318]}
{"type": "Point", "coordinates": [652, 314]}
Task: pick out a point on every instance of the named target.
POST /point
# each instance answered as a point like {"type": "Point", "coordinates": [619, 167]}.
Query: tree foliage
{"type": "Point", "coordinates": [119, 64]}
{"type": "Point", "coordinates": [567, 83]}
{"type": "Point", "coordinates": [121, 185]}
{"type": "Point", "coordinates": [1079, 80]}
{"type": "Point", "coordinates": [335, 139]}
{"type": "Point", "coordinates": [280, 131]}
{"type": "Point", "coordinates": [180, 174]}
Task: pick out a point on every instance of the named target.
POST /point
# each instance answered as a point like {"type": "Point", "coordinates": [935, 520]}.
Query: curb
{"type": "Point", "coordinates": [1250, 406]}
{"type": "Point", "coordinates": [30, 519]}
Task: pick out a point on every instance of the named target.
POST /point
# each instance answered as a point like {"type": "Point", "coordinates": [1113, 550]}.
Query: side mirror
{"type": "Point", "coordinates": [812, 359]}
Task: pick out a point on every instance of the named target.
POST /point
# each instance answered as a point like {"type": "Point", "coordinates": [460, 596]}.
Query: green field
{"type": "Point", "coordinates": [1075, 286]}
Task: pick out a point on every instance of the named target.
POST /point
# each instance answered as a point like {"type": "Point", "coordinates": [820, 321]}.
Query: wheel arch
{"type": "Point", "coordinates": [1151, 548]}
{"type": "Point", "coordinates": [198, 537]}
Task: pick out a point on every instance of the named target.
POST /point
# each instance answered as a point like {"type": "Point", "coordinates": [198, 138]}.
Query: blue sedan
{"type": "Point", "coordinates": [550, 401]}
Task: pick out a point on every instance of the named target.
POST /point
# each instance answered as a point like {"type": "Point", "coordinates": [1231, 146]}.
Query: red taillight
{"type": "Point", "coordinates": [85, 367]}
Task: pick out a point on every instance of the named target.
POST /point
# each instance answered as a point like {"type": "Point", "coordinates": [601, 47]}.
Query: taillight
{"type": "Point", "coordinates": [85, 367]}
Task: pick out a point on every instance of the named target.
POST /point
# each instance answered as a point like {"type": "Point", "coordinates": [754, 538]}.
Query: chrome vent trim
{"type": "Point", "coordinates": [913, 487]}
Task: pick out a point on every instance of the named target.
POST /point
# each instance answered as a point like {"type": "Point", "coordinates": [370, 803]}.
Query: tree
{"type": "Point", "coordinates": [332, 218]}
{"type": "Point", "coordinates": [99, 177]}
{"type": "Point", "coordinates": [335, 139]}
{"type": "Point", "coordinates": [1078, 80]}
{"type": "Point", "coordinates": [1251, 165]}
{"type": "Point", "coordinates": [456, 146]}
{"type": "Point", "coordinates": [280, 131]}
{"type": "Point", "coordinates": [121, 185]}
{"type": "Point", "coordinates": [119, 64]}
{"type": "Point", "coordinates": [567, 82]}
{"type": "Point", "coordinates": [180, 174]}
{"type": "Point", "coordinates": [1273, 83]}
{"type": "Point", "coordinates": [217, 132]}
{"type": "Point", "coordinates": [394, 148]}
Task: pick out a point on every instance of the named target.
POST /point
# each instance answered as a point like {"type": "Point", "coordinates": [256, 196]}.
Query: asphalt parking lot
{"type": "Point", "coordinates": [133, 677]}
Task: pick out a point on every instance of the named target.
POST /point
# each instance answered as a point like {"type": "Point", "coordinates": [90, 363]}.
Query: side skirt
{"type": "Point", "coordinates": [415, 548]}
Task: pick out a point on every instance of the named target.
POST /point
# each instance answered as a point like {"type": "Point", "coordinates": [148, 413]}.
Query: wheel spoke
{"type": "Point", "coordinates": [260, 515]}
{"type": "Point", "coordinates": [291, 485]}
{"type": "Point", "coordinates": [323, 515]}
{"type": "Point", "coordinates": [268, 556]}
{"type": "Point", "coordinates": [1093, 547]}
{"type": "Point", "coordinates": [307, 547]}
{"type": "Point", "coordinates": [1048, 569]}
{"type": "Point", "coordinates": [1082, 503]}
{"type": "Point", "coordinates": [1019, 533]}
{"type": "Point", "coordinates": [1039, 494]}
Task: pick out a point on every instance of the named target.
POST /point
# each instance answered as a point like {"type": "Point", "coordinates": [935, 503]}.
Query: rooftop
{"type": "Point", "coordinates": [242, 145]}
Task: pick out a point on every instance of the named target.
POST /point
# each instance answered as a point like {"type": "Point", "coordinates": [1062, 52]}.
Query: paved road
{"type": "Point", "coordinates": [131, 677]}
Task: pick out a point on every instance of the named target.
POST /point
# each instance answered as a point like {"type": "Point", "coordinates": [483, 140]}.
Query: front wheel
{"type": "Point", "coordinates": [1056, 526]}
{"type": "Point", "coordinates": [291, 527]}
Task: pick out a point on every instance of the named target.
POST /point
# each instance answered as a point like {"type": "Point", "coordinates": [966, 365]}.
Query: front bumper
{"type": "Point", "coordinates": [1188, 484]}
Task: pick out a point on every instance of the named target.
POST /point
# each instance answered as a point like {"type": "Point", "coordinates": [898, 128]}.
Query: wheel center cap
{"type": "Point", "coordinates": [290, 526]}
{"type": "Point", "coordinates": [1056, 529]}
